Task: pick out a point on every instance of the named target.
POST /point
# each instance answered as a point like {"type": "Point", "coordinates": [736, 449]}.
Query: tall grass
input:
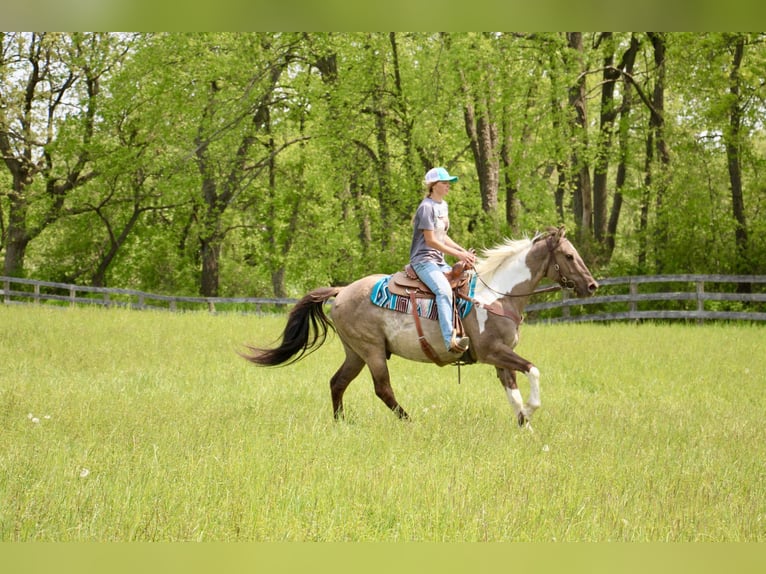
{"type": "Point", "coordinates": [125, 425]}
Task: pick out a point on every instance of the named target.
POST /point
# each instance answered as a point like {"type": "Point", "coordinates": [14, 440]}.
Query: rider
{"type": "Point", "coordinates": [430, 243]}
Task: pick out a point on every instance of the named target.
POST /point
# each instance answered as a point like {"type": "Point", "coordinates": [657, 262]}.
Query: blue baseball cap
{"type": "Point", "coordinates": [439, 174]}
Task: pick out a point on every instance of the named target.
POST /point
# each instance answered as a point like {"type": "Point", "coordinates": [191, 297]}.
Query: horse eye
{"type": "Point", "coordinates": [570, 257]}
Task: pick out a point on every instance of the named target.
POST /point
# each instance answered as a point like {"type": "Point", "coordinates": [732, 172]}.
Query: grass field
{"type": "Point", "coordinates": [120, 425]}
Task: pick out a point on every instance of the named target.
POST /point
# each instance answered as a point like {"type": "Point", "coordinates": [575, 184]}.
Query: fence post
{"type": "Point", "coordinates": [72, 295]}
{"type": "Point", "coordinates": [633, 293]}
{"type": "Point", "coordinates": [6, 292]}
{"type": "Point", "coordinates": [565, 310]}
{"type": "Point", "coordinates": [700, 300]}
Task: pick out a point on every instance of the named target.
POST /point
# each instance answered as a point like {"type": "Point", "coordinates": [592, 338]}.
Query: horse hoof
{"type": "Point", "coordinates": [402, 414]}
{"type": "Point", "coordinates": [522, 419]}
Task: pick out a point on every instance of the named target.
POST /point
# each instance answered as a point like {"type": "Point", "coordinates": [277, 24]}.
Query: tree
{"type": "Point", "coordinates": [219, 98]}
{"type": "Point", "coordinates": [50, 93]}
{"type": "Point", "coordinates": [479, 112]}
{"type": "Point", "coordinates": [131, 183]}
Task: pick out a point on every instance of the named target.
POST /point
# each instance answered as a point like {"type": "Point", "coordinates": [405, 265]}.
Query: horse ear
{"type": "Point", "coordinates": [560, 233]}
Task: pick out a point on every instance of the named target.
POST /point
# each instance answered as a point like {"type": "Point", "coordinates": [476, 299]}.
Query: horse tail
{"type": "Point", "coordinates": [305, 332]}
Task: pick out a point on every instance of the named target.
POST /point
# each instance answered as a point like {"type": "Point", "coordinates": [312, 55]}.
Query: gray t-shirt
{"type": "Point", "coordinates": [434, 216]}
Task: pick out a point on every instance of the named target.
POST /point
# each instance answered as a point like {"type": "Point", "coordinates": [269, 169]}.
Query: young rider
{"type": "Point", "coordinates": [430, 243]}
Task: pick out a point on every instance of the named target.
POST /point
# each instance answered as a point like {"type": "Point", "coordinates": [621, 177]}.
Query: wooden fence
{"type": "Point", "coordinates": [659, 297]}
{"type": "Point", "coordinates": [32, 291]}
{"type": "Point", "coordinates": [662, 297]}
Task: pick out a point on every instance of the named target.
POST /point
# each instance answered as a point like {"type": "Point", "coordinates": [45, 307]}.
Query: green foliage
{"type": "Point", "coordinates": [269, 163]}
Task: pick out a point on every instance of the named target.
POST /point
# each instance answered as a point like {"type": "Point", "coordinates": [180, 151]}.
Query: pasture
{"type": "Point", "coordinates": [120, 425]}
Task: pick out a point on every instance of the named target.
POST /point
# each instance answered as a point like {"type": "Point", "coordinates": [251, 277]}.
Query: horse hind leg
{"type": "Point", "coordinates": [382, 380]}
{"type": "Point", "coordinates": [348, 371]}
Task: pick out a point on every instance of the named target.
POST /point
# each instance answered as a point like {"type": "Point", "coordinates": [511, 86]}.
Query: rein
{"type": "Point", "coordinates": [535, 292]}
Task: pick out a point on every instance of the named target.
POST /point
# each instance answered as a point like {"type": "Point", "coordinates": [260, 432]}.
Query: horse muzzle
{"type": "Point", "coordinates": [581, 290]}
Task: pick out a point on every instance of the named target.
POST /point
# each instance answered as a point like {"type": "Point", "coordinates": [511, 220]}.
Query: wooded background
{"type": "Point", "coordinates": [266, 164]}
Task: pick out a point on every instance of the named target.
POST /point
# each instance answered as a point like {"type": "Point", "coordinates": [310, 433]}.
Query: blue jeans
{"type": "Point", "coordinates": [432, 274]}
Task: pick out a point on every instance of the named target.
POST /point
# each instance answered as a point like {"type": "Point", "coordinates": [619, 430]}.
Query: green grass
{"type": "Point", "coordinates": [126, 425]}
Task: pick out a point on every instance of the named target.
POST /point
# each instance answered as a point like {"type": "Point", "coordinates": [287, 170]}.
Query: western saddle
{"type": "Point", "coordinates": [405, 283]}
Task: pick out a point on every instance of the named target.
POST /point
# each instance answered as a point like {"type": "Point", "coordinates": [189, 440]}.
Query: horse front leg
{"type": "Point", "coordinates": [508, 379]}
{"type": "Point", "coordinates": [533, 401]}
{"type": "Point", "coordinates": [512, 363]}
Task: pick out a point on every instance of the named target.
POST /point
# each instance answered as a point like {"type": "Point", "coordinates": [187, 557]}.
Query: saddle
{"type": "Point", "coordinates": [406, 283]}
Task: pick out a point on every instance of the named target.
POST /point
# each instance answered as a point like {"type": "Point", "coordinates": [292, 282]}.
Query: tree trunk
{"type": "Point", "coordinates": [210, 248]}
{"type": "Point", "coordinates": [608, 115]}
{"type": "Point", "coordinates": [404, 126]}
{"type": "Point", "coordinates": [482, 133]}
{"type": "Point", "coordinates": [733, 158]}
{"type": "Point", "coordinates": [583, 202]}
{"type": "Point", "coordinates": [483, 136]}
{"type": "Point", "coordinates": [657, 127]}
{"type": "Point", "coordinates": [561, 170]}
{"type": "Point", "coordinates": [278, 282]}
{"type": "Point", "coordinates": [655, 180]}
{"type": "Point", "coordinates": [115, 243]}
{"type": "Point", "coordinates": [358, 192]}
{"type": "Point", "coordinates": [510, 179]}
{"type": "Point", "coordinates": [383, 168]}
{"type": "Point", "coordinates": [17, 238]}
{"type": "Point", "coordinates": [210, 238]}
{"type": "Point", "coordinates": [626, 66]}
{"type": "Point", "coordinates": [643, 225]}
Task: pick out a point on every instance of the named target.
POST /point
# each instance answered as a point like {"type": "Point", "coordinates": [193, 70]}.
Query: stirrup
{"type": "Point", "coordinates": [459, 345]}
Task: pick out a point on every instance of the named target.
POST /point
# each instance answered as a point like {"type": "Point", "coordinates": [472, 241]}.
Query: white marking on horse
{"type": "Point", "coordinates": [498, 283]}
{"type": "Point", "coordinates": [481, 316]}
{"type": "Point", "coordinates": [516, 400]}
{"type": "Point", "coordinates": [533, 403]}
{"type": "Point", "coordinates": [503, 280]}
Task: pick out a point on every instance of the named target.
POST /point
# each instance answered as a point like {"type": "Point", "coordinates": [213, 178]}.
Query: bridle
{"type": "Point", "coordinates": [563, 280]}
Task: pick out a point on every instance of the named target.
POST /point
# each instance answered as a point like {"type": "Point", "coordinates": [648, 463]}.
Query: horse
{"type": "Point", "coordinates": [507, 274]}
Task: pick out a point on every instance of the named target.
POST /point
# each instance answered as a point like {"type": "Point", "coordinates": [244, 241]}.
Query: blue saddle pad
{"type": "Point", "coordinates": [426, 308]}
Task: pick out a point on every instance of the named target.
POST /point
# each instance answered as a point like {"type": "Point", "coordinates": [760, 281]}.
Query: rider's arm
{"type": "Point", "coordinates": [448, 247]}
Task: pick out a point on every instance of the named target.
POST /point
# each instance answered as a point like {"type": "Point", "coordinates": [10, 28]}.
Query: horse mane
{"type": "Point", "coordinates": [492, 257]}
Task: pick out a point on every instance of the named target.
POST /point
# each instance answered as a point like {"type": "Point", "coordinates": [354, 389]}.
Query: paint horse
{"type": "Point", "coordinates": [507, 276]}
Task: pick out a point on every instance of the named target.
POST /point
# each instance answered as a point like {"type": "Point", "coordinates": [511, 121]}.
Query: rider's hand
{"type": "Point", "coordinates": [469, 258]}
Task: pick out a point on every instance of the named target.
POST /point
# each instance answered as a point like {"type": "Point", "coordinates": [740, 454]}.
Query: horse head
{"type": "Point", "coordinates": [565, 266]}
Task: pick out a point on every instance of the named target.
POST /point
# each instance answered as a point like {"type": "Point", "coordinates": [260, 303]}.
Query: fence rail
{"type": "Point", "coordinates": [47, 291]}
{"type": "Point", "coordinates": [686, 297]}
{"type": "Point", "coordinates": [664, 297]}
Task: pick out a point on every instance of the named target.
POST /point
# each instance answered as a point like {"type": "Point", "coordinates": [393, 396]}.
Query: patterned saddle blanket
{"type": "Point", "coordinates": [383, 297]}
